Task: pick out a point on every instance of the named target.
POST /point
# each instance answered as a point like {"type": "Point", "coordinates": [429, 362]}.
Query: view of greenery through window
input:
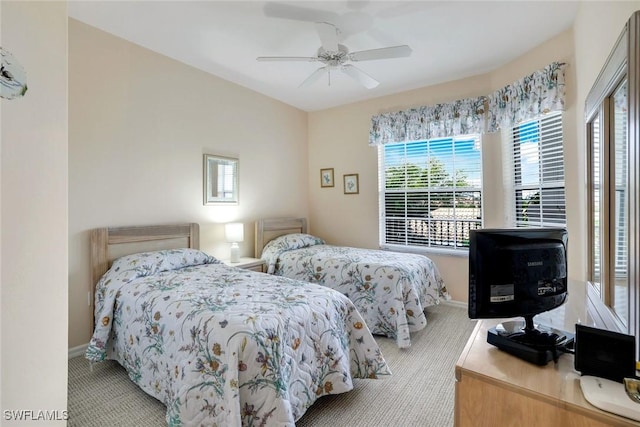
{"type": "Point", "coordinates": [431, 192]}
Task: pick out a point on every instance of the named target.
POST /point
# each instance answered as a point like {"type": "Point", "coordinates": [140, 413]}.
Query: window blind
{"type": "Point", "coordinates": [596, 188]}
{"type": "Point", "coordinates": [538, 172]}
{"type": "Point", "coordinates": [620, 230]}
{"type": "Point", "coordinates": [430, 192]}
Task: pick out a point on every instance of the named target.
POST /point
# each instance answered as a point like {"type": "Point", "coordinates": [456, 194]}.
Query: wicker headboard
{"type": "Point", "coordinates": [110, 243]}
{"type": "Point", "coordinates": [269, 229]}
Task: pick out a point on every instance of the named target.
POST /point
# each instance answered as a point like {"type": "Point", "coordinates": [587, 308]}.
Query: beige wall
{"type": "Point", "coordinates": [34, 214]}
{"type": "Point", "coordinates": [139, 124]}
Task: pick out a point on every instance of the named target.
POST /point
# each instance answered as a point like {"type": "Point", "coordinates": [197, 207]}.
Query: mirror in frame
{"type": "Point", "coordinates": [220, 180]}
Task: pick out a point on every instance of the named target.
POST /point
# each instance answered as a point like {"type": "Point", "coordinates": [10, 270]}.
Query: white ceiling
{"type": "Point", "coordinates": [450, 39]}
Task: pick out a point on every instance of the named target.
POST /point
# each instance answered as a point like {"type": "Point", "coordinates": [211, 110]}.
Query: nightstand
{"type": "Point", "coordinates": [255, 264]}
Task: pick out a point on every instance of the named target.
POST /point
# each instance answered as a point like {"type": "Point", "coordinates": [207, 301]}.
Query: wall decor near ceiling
{"type": "Point", "coordinates": [13, 78]}
{"type": "Point", "coordinates": [326, 177]}
{"type": "Point", "coordinates": [220, 180]}
{"type": "Point", "coordinates": [351, 184]}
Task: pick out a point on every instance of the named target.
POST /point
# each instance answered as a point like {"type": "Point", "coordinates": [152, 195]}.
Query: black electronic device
{"type": "Point", "coordinates": [520, 272]}
{"type": "Point", "coordinates": [605, 354]}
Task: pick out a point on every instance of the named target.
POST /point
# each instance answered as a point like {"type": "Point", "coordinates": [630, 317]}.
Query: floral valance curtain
{"type": "Point", "coordinates": [442, 120]}
{"type": "Point", "coordinates": [529, 97]}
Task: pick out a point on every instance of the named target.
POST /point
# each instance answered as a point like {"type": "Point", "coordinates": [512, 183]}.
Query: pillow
{"type": "Point", "coordinates": [287, 242]}
{"type": "Point", "coordinates": [294, 241]}
{"type": "Point", "coordinates": [147, 263]}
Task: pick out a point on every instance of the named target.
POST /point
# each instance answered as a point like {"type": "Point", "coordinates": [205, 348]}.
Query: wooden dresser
{"type": "Point", "coordinates": [494, 388]}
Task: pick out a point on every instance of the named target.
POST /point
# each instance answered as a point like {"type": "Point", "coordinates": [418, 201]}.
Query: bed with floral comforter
{"type": "Point", "coordinates": [225, 346]}
{"type": "Point", "coordinates": [390, 289]}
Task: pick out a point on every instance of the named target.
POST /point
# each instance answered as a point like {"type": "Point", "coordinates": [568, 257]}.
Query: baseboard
{"type": "Point", "coordinates": [456, 303]}
{"type": "Point", "coordinates": [78, 351]}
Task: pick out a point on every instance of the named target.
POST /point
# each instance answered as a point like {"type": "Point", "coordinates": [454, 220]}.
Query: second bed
{"type": "Point", "coordinates": [390, 289]}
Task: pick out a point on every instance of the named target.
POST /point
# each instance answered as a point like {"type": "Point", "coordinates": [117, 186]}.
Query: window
{"type": "Point", "coordinates": [608, 191]}
{"type": "Point", "coordinates": [430, 192]}
{"type": "Point", "coordinates": [613, 167]}
{"type": "Point", "coordinates": [538, 172]}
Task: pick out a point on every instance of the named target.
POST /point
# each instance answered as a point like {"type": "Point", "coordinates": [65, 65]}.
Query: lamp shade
{"type": "Point", "coordinates": [234, 232]}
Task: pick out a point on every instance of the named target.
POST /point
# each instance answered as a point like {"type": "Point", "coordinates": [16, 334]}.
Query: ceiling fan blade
{"type": "Point", "coordinates": [328, 36]}
{"type": "Point", "coordinates": [287, 58]}
{"type": "Point", "coordinates": [382, 53]}
{"type": "Point", "coordinates": [360, 76]}
{"type": "Point", "coordinates": [297, 13]}
{"type": "Point", "coordinates": [314, 77]}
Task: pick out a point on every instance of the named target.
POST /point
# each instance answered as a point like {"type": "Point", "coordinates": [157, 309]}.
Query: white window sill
{"type": "Point", "coordinates": [426, 251]}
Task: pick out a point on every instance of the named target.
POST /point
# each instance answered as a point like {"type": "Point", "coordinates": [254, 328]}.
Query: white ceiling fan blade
{"type": "Point", "coordinates": [297, 13]}
{"type": "Point", "coordinates": [287, 58]}
{"type": "Point", "coordinates": [314, 77]}
{"type": "Point", "coordinates": [360, 76]}
{"type": "Point", "coordinates": [328, 36]}
{"type": "Point", "coordinates": [382, 53]}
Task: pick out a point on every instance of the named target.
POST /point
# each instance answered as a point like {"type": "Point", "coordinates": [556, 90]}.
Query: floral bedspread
{"type": "Point", "coordinates": [224, 346]}
{"type": "Point", "coordinates": [390, 289]}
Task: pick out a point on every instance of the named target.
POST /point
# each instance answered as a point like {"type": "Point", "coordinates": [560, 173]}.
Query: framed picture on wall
{"type": "Point", "coordinates": [351, 183]}
{"type": "Point", "coordinates": [326, 177]}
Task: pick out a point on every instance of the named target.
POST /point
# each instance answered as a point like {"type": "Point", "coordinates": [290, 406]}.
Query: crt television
{"type": "Point", "coordinates": [519, 272]}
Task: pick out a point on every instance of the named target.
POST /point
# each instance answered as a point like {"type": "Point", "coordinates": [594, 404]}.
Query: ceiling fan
{"type": "Point", "coordinates": [336, 56]}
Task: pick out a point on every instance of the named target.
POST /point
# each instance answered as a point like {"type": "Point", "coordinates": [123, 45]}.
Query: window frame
{"type": "Point", "coordinates": [622, 63]}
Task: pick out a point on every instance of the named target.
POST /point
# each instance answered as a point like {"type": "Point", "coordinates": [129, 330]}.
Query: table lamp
{"type": "Point", "coordinates": [234, 233]}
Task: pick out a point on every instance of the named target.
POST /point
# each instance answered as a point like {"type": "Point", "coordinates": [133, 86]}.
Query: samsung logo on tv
{"type": "Point", "coordinates": [534, 263]}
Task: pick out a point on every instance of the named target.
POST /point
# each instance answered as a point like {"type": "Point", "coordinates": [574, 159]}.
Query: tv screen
{"type": "Point", "coordinates": [516, 272]}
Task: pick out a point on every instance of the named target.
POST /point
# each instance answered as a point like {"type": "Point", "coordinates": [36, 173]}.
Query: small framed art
{"type": "Point", "coordinates": [326, 177]}
{"type": "Point", "coordinates": [351, 184]}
